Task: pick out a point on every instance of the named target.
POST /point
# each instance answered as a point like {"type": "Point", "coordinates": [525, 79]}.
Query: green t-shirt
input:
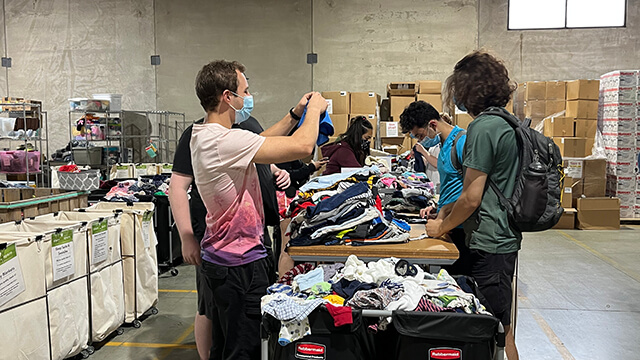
{"type": "Point", "coordinates": [491, 147]}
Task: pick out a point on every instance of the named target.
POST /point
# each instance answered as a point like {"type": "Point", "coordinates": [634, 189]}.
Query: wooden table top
{"type": "Point", "coordinates": [429, 248]}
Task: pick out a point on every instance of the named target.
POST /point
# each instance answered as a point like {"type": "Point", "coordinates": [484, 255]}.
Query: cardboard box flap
{"type": "Point", "coordinates": [429, 87]}
{"type": "Point", "coordinates": [402, 88]}
{"type": "Point", "coordinates": [392, 140]}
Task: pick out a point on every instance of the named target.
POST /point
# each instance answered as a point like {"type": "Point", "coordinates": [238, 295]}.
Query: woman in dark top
{"type": "Point", "coordinates": [351, 148]}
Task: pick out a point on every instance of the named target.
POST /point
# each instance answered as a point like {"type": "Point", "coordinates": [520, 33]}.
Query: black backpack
{"type": "Point", "coordinates": [535, 203]}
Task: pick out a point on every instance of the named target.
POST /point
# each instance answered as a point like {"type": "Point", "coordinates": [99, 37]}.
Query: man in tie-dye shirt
{"type": "Point", "coordinates": [234, 260]}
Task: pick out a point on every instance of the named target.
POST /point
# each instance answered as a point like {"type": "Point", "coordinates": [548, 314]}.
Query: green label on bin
{"type": "Point", "coordinates": [99, 227]}
{"type": "Point", "coordinates": [61, 238]}
{"type": "Point", "coordinates": [122, 167]}
{"type": "Point", "coordinates": [8, 254]}
{"type": "Point", "coordinates": [167, 166]}
{"type": "Point", "coordinates": [147, 216]}
{"type": "Point", "coordinates": [141, 167]}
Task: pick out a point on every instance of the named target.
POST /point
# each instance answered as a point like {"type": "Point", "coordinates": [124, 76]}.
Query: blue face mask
{"type": "Point", "coordinates": [459, 105]}
{"type": "Point", "coordinates": [412, 136]}
{"type": "Point", "coordinates": [430, 142]}
{"type": "Point", "coordinates": [243, 114]}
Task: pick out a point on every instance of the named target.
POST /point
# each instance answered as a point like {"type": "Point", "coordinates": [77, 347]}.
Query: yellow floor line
{"type": "Point", "coordinates": [632, 274]}
{"type": "Point", "coordinates": [179, 340]}
{"type": "Point", "coordinates": [177, 291]}
{"type": "Point", "coordinates": [151, 345]}
{"type": "Point", "coordinates": [555, 340]}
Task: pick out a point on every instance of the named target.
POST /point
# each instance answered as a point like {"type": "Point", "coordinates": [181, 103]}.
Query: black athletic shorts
{"type": "Point", "coordinates": [462, 266]}
{"type": "Point", "coordinates": [494, 274]}
{"type": "Point", "coordinates": [231, 297]}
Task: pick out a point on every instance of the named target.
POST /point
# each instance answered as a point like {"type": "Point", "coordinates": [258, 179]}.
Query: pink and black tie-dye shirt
{"type": "Point", "coordinates": [230, 189]}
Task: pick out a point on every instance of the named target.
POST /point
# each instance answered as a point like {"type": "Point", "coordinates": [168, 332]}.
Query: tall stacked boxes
{"type": "Point", "coordinates": [339, 109]}
{"type": "Point", "coordinates": [400, 94]}
{"type": "Point", "coordinates": [618, 118]}
{"type": "Point", "coordinates": [582, 106]}
{"type": "Point", "coordinates": [366, 104]}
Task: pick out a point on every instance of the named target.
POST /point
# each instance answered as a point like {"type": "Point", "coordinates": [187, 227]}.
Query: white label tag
{"type": "Point", "coordinates": [330, 106]}
{"type": "Point", "coordinates": [146, 227]}
{"type": "Point", "coordinates": [62, 254]}
{"type": "Point", "coordinates": [372, 94]}
{"type": "Point", "coordinates": [574, 169]}
{"type": "Point", "coordinates": [568, 190]}
{"type": "Point", "coordinates": [122, 172]}
{"type": "Point", "coordinates": [343, 93]}
{"type": "Point", "coordinates": [11, 280]}
{"type": "Point", "coordinates": [392, 129]}
{"type": "Point", "coordinates": [100, 241]}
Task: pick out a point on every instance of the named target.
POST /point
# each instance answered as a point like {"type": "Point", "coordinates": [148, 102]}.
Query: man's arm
{"type": "Point", "coordinates": [432, 160]}
{"type": "Point", "coordinates": [278, 149]}
{"type": "Point", "coordinates": [179, 201]}
{"type": "Point", "coordinates": [284, 126]}
{"type": "Point", "coordinates": [467, 203]}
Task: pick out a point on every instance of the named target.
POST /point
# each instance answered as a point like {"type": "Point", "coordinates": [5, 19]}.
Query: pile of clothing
{"type": "Point", "coordinates": [412, 192]}
{"type": "Point", "coordinates": [342, 209]}
{"type": "Point", "coordinates": [387, 284]}
{"type": "Point", "coordinates": [132, 190]}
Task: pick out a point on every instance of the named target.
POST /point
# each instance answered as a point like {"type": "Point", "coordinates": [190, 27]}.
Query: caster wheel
{"type": "Point", "coordinates": [174, 272]}
{"type": "Point", "coordinates": [120, 331]}
{"type": "Point", "coordinates": [154, 311]}
{"type": "Point", "coordinates": [91, 350]}
{"type": "Point", "coordinates": [137, 324]}
{"type": "Point", "coordinates": [85, 354]}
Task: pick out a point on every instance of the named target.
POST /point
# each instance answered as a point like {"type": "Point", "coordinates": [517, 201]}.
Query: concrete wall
{"type": "Point", "coordinates": [363, 45]}
{"type": "Point", "coordinates": [67, 48]}
{"type": "Point", "coordinates": [560, 54]}
{"type": "Point", "coordinates": [270, 37]}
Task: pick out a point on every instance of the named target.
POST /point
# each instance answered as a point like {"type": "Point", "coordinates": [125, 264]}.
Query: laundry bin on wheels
{"type": "Point", "coordinates": [64, 254]}
{"type": "Point", "coordinates": [106, 278]}
{"type": "Point", "coordinates": [24, 333]}
{"type": "Point", "coordinates": [140, 259]}
{"type": "Point", "coordinates": [348, 342]}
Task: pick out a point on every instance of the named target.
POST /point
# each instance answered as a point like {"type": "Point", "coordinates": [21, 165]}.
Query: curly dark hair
{"type": "Point", "coordinates": [418, 113]}
{"type": "Point", "coordinates": [213, 79]}
{"type": "Point", "coordinates": [479, 80]}
{"type": "Point", "coordinates": [358, 126]}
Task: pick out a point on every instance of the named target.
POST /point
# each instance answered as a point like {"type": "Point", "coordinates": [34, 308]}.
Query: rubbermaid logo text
{"type": "Point", "coordinates": [445, 354]}
{"type": "Point", "coordinates": [311, 351]}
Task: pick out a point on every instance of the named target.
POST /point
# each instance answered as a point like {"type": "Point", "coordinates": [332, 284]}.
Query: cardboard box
{"type": "Point", "coordinates": [554, 106]}
{"type": "Point", "coordinates": [392, 141]}
{"type": "Point", "coordinates": [535, 109]}
{"type": "Point", "coordinates": [509, 106]}
{"type": "Point", "coordinates": [429, 87]}
{"type": "Point", "coordinates": [571, 146]}
{"type": "Point", "coordinates": [558, 127]}
{"type": "Point", "coordinates": [364, 103]}
{"type": "Point", "coordinates": [390, 129]}
{"type": "Point", "coordinates": [556, 90]}
{"type": "Point", "coordinates": [385, 110]}
{"type": "Point", "coordinates": [620, 95]}
{"type": "Point", "coordinates": [398, 104]}
{"type": "Point", "coordinates": [586, 128]}
{"type": "Point", "coordinates": [434, 99]}
{"type": "Point", "coordinates": [567, 220]}
{"type": "Point", "coordinates": [620, 110]}
{"type": "Point", "coordinates": [588, 146]}
{"type": "Point", "coordinates": [583, 89]}
{"type": "Point", "coordinates": [401, 89]}
{"type": "Point", "coordinates": [620, 78]}
{"type": "Point", "coordinates": [340, 101]}
{"type": "Point", "coordinates": [463, 120]}
{"type": "Point", "coordinates": [408, 143]}
{"type": "Point", "coordinates": [567, 193]}
{"type": "Point", "coordinates": [621, 183]}
{"type": "Point", "coordinates": [598, 213]}
{"type": "Point", "coordinates": [535, 90]}
{"type": "Point", "coordinates": [582, 109]}
{"type": "Point", "coordinates": [340, 123]}
{"type": "Point", "coordinates": [594, 186]}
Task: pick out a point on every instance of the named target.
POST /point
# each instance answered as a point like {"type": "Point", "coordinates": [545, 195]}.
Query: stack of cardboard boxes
{"type": "Point", "coordinates": [583, 196]}
{"type": "Point", "coordinates": [618, 119]}
{"type": "Point", "coordinates": [344, 105]}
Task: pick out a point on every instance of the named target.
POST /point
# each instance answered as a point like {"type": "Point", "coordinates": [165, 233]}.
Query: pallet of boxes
{"type": "Point", "coordinates": [618, 118]}
{"type": "Point", "coordinates": [400, 95]}
{"type": "Point", "coordinates": [345, 105]}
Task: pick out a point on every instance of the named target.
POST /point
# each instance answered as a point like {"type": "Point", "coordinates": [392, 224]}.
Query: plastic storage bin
{"type": "Point", "coordinates": [17, 161]}
{"type": "Point", "coordinates": [85, 180]}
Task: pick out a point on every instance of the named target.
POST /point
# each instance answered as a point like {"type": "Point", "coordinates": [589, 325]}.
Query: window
{"type": "Point", "coordinates": [566, 14]}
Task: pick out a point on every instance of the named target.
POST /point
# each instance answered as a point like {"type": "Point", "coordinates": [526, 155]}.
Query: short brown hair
{"type": "Point", "coordinates": [479, 81]}
{"type": "Point", "coordinates": [213, 79]}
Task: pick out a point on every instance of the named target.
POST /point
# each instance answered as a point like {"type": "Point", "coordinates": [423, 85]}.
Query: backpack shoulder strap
{"type": "Point", "coordinates": [454, 152]}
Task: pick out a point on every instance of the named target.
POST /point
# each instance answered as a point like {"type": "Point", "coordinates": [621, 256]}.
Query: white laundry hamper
{"type": "Point", "coordinates": [106, 278]}
{"type": "Point", "coordinates": [67, 297]}
{"type": "Point", "coordinates": [25, 310]}
{"type": "Point", "coordinates": [139, 256]}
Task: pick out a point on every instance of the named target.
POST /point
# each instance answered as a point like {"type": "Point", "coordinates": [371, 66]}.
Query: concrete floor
{"type": "Point", "coordinates": [578, 299]}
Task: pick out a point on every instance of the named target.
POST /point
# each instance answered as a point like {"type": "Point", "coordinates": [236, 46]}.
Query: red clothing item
{"type": "Point", "coordinates": [340, 155]}
{"type": "Point", "coordinates": [341, 314]}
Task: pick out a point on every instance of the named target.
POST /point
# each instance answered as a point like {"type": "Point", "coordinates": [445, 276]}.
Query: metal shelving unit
{"type": "Point", "coordinates": [137, 129]}
{"type": "Point", "coordinates": [29, 111]}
